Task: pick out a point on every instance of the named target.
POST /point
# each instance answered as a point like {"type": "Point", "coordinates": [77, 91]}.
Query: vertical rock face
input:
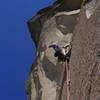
{"type": "Point", "coordinates": [47, 73]}
{"type": "Point", "coordinates": [63, 24]}
{"type": "Point", "coordinates": [85, 59]}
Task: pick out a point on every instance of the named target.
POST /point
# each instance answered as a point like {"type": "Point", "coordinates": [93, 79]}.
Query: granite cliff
{"type": "Point", "coordinates": [66, 21]}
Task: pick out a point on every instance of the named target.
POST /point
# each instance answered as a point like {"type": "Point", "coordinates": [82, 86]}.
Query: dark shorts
{"type": "Point", "coordinates": [62, 57]}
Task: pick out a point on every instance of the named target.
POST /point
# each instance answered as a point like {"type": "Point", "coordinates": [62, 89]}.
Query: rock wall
{"type": "Point", "coordinates": [85, 59]}
{"type": "Point", "coordinates": [63, 22]}
{"type": "Point", "coordinates": [47, 73]}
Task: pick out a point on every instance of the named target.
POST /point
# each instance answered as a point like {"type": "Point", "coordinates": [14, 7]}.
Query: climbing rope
{"type": "Point", "coordinates": [64, 90]}
{"type": "Point", "coordinates": [67, 80]}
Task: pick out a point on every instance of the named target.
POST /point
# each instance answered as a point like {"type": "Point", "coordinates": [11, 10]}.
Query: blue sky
{"type": "Point", "coordinates": [17, 50]}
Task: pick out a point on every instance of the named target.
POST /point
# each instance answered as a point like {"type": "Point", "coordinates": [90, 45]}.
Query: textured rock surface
{"type": "Point", "coordinates": [47, 72]}
{"type": "Point", "coordinates": [85, 59]}
{"type": "Point", "coordinates": [59, 23]}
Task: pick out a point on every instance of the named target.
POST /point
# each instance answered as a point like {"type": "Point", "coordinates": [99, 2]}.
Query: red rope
{"type": "Point", "coordinates": [64, 93]}
{"type": "Point", "coordinates": [67, 80]}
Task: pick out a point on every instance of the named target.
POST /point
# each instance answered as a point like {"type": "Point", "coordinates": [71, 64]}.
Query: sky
{"type": "Point", "coordinates": [17, 51]}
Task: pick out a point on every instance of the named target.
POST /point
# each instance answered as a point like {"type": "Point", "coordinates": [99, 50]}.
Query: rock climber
{"type": "Point", "coordinates": [63, 53]}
